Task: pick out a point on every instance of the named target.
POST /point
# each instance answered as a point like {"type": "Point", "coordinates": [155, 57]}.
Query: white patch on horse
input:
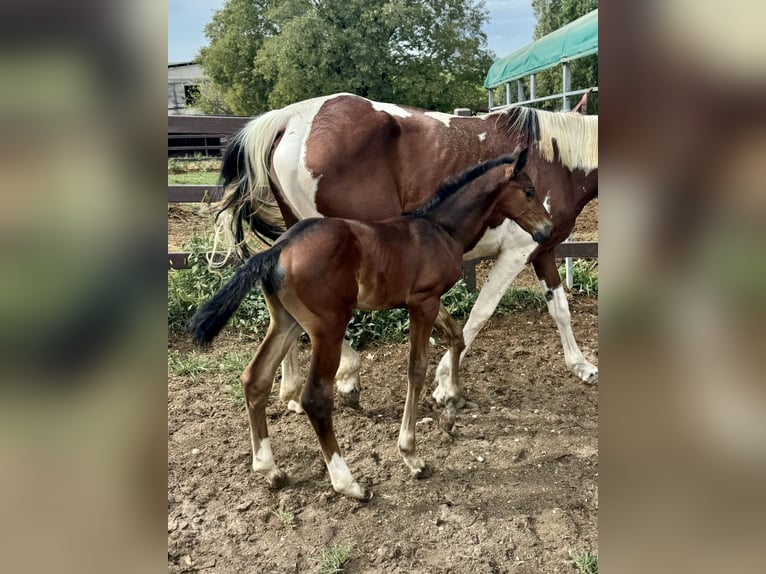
{"type": "Point", "coordinates": [558, 307]}
{"type": "Point", "coordinates": [263, 459]}
{"type": "Point", "coordinates": [440, 116]}
{"type": "Point", "coordinates": [297, 182]}
{"type": "Point", "coordinates": [547, 202]}
{"type": "Point", "coordinates": [482, 136]}
{"type": "Point", "coordinates": [342, 479]}
{"type": "Point", "coordinates": [391, 109]}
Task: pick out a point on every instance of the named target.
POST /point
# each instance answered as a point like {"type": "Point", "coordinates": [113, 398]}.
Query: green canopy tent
{"type": "Point", "coordinates": [574, 40]}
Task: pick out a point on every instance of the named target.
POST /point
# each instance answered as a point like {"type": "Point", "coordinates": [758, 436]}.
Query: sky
{"type": "Point", "coordinates": [510, 26]}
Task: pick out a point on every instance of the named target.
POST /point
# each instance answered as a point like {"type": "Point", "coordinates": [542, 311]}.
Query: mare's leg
{"type": "Point", "coordinates": [317, 401]}
{"type": "Point", "coordinates": [347, 378]}
{"type": "Point", "coordinates": [421, 322]}
{"type": "Point", "coordinates": [257, 380]}
{"type": "Point", "coordinates": [548, 274]}
{"type": "Point", "coordinates": [292, 384]}
{"type": "Point", "coordinates": [454, 333]}
{"type": "Point", "coordinates": [507, 266]}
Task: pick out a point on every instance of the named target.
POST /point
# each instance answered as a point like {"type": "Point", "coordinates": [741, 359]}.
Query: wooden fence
{"type": "Point", "coordinates": [226, 126]}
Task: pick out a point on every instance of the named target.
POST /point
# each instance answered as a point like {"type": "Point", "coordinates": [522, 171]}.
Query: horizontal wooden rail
{"type": "Point", "coordinates": [194, 193]}
{"type": "Point", "coordinates": [209, 125]}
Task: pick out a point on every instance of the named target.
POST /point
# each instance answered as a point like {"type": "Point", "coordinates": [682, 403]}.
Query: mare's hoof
{"type": "Point", "coordinates": [423, 472]}
{"type": "Point", "coordinates": [447, 421]}
{"type": "Point", "coordinates": [294, 406]}
{"type": "Point", "coordinates": [350, 399]}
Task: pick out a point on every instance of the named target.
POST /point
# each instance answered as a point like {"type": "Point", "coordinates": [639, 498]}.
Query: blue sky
{"type": "Point", "coordinates": [510, 26]}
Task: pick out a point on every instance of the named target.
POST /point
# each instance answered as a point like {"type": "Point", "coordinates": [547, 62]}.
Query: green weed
{"type": "Point", "coordinates": [286, 516]}
{"type": "Point", "coordinates": [585, 562]}
{"type": "Point", "coordinates": [190, 288]}
{"type": "Point", "coordinates": [333, 559]}
{"type": "Point", "coordinates": [584, 277]}
{"type": "Point", "coordinates": [190, 365]}
{"type": "Point", "coordinates": [520, 299]}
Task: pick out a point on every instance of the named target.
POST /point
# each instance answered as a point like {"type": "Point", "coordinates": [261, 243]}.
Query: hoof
{"type": "Point", "coordinates": [357, 492]}
{"type": "Point", "coordinates": [586, 372]}
{"type": "Point", "coordinates": [295, 406]}
{"type": "Point", "coordinates": [424, 471]}
{"type": "Point", "coordinates": [447, 421]}
{"type": "Point", "coordinates": [350, 399]}
{"type": "Point", "coordinates": [277, 479]}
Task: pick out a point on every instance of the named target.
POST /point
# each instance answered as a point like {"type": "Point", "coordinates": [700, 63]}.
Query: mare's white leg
{"type": "Point", "coordinates": [508, 265]}
{"type": "Point", "coordinates": [292, 383]}
{"type": "Point", "coordinates": [558, 307]}
{"type": "Point", "coordinates": [347, 377]}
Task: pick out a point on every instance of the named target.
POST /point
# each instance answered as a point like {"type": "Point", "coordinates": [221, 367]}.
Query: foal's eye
{"type": "Point", "coordinates": [530, 193]}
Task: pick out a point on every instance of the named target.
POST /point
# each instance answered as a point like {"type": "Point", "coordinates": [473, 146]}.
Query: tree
{"type": "Point", "coordinates": [236, 33]}
{"type": "Point", "coordinates": [552, 15]}
{"type": "Point", "coordinates": [428, 53]}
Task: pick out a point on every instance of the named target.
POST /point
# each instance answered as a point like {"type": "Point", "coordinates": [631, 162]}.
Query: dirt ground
{"type": "Point", "coordinates": [515, 489]}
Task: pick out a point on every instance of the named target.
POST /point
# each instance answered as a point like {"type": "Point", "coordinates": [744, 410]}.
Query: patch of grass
{"type": "Point", "coordinates": [333, 559]}
{"type": "Point", "coordinates": [194, 178]}
{"type": "Point", "coordinates": [190, 288]}
{"type": "Point", "coordinates": [584, 277]}
{"type": "Point", "coordinates": [286, 516]}
{"type": "Point", "coordinates": [520, 299]}
{"type": "Point", "coordinates": [585, 562]}
{"type": "Point", "coordinates": [197, 162]}
{"type": "Point", "coordinates": [190, 365]}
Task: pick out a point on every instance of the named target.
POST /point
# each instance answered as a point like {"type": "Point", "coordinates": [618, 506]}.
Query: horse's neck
{"type": "Point", "coordinates": [465, 217]}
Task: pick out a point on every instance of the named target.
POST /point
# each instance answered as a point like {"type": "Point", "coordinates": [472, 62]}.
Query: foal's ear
{"type": "Point", "coordinates": [521, 161]}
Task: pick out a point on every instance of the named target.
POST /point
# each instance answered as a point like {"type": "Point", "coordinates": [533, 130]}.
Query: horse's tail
{"type": "Point", "coordinates": [213, 315]}
{"type": "Point", "coordinates": [248, 198]}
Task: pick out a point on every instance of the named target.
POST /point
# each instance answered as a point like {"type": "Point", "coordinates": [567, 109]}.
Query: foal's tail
{"type": "Point", "coordinates": [248, 197]}
{"type": "Point", "coordinates": [213, 315]}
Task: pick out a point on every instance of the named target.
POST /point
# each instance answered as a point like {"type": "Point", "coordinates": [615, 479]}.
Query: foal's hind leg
{"type": "Point", "coordinates": [452, 393]}
{"type": "Point", "coordinates": [421, 322]}
{"type": "Point", "coordinates": [558, 307]}
{"type": "Point", "coordinates": [257, 380]}
{"type": "Point", "coordinates": [317, 401]}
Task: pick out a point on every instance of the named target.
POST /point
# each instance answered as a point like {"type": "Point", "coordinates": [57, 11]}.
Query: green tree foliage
{"type": "Point", "coordinates": [236, 34]}
{"type": "Point", "coordinates": [427, 53]}
{"type": "Point", "coordinates": [552, 15]}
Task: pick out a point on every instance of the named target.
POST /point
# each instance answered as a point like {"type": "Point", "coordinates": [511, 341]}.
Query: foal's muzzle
{"type": "Point", "coordinates": [542, 232]}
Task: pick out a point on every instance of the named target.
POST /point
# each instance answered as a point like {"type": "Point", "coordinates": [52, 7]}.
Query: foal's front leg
{"type": "Point", "coordinates": [422, 320]}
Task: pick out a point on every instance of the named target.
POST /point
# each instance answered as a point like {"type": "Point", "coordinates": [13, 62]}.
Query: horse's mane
{"type": "Point", "coordinates": [450, 187]}
{"type": "Point", "coordinates": [576, 135]}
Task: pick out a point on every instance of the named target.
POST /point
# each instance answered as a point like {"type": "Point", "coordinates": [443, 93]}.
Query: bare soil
{"type": "Point", "coordinates": [514, 489]}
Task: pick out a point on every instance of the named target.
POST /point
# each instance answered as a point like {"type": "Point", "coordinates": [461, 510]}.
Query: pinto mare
{"type": "Point", "coordinates": [318, 272]}
{"type": "Point", "coordinates": [347, 156]}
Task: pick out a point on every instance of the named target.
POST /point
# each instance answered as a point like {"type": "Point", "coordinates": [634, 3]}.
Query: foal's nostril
{"type": "Point", "coordinates": [541, 236]}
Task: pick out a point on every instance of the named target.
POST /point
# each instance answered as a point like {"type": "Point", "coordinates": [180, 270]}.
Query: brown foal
{"type": "Point", "coordinates": [321, 270]}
